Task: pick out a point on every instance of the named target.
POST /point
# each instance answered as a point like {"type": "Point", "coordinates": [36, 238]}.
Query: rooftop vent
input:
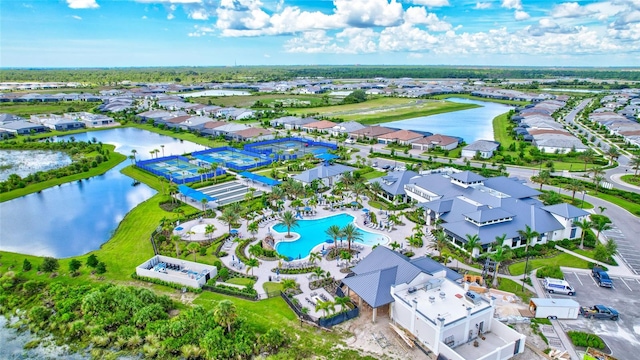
{"type": "Point", "coordinates": [432, 299]}
{"type": "Point", "coordinates": [473, 296]}
{"type": "Point", "coordinates": [442, 295]}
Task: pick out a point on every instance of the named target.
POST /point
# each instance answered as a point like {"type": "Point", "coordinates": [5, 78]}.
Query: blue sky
{"type": "Point", "coordinates": [114, 33]}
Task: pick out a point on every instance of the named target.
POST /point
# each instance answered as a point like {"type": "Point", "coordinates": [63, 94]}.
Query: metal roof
{"type": "Point", "coordinates": [374, 287]}
{"type": "Point", "coordinates": [565, 210]}
{"type": "Point", "coordinates": [467, 177]}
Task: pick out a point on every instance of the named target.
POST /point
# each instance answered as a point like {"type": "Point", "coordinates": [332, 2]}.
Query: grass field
{"type": "Point", "coordinates": [181, 135]}
{"type": "Point", "coordinates": [26, 109]}
{"type": "Point", "coordinates": [513, 287]}
{"type": "Point", "coordinates": [248, 101]}
{"type": "Point", "coordinates": [240, 281]}
{"type": "Point", "coordinates": [631, 179]}
{"type": "Point", "coordinates": [467, 96]}
{"type": "Point", "coordinates": [562, 259]}
{"type": "Point", "coordinates": [385, 109]}
{"type": "Point", "coordinates": [627, 205]}
{"type": "Point", "coordinates": [114, 159]}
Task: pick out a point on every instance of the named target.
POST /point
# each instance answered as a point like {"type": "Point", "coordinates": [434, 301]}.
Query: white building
{"type": "Point", "coordinates": [423, 298]}
{"type": "Point", "coordinates": [177, 271]}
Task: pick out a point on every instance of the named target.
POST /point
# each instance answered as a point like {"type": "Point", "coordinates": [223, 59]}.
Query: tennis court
{"type": "Point", "coordinates": [290, 146]}
{"type": "Point", "coordinates": [177, 168]}
{"type": "Point", "coordinates": [232, 158]}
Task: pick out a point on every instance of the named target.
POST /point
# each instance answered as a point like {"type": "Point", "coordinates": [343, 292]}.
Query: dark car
{"type": "Point", "coordinates": [386, 167]}
{"type": "Point", "coordinates": [601, 277]}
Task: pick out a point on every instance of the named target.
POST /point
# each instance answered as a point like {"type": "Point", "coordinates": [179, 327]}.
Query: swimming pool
{"type": "Point", "coordinates": [312, 234]}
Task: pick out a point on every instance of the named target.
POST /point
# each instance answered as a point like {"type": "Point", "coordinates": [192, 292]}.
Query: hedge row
{"type": "Point", "coordinates": [305, 270]}
{"type": "Point", "coordinates": [245, 293]}
{"type": "Point", "coordinates": [166, 283]}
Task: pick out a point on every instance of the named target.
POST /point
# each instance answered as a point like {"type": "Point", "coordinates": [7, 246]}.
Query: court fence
{"type": "Point", "coordinates": [262, 161]}
{"type": "Point", "coordinates": [146, 165]}
{"type": "Point", "coordinates": [258, 147]}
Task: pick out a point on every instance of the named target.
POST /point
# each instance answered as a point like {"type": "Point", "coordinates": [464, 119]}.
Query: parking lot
{"type": "Point", "coordinates": [622, 336]}
{"type": "Point", "coordinates": [627, 250]}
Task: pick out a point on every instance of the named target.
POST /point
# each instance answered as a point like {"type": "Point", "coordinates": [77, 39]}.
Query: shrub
{"type": "Point", "coordinates": [26, 265]}
{"type": "Point", "coordinates": [550, 271]}
{"type": "Point", "coordinates": [580, 338]}
{"type": "Point", "coordinates": [92, 261]}
{"type": "Point", "coordinates": [217, 264]}
{"type": "Point", "coordinates": [101, 268]}
{"type": "Point", "coordinates": [223, 274]}
{"type": "Point", "coordinates": [166, 283]}
{"type": "Point", "coordinates": [49, 265]}
{"type": "Point", "coordinates": [74, 265]}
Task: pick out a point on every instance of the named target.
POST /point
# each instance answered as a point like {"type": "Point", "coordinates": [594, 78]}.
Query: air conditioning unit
{"type": "Point", "coordinates": [473, 296]}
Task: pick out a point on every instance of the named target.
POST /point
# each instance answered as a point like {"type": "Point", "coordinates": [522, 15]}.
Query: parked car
{"type": "Point", "coordinates": [601, 277]}
{"type": "Point", "coordinates": [386, 167]}
{"type": "Point", "coordinates": [557, 286]}
{"type": "Point", "coordinates": [599, 312]}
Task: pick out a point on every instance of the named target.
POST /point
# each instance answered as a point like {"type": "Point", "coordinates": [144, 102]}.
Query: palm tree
{"type": "Point", "coordinates": [334, 232]}
{"type": "Point", "coordinates": [394, 245]}
{"type": "Point", "coordinates": [357, 189]}
{"type": "Point", "coordinates": [473, 242]}
{"type": "Point", "coordinates": [345, 255]}
{"type": "Point", "coordinates": [351, 233]}
{"type": "Point", "coordinates": [202, 171]}
{"type": "Point", "coordinates": [134, 152]}
{"type": "Point", "coordinates": [375, 188]}
{"type": "Point", "coordinates": [253, 228]}
{"type": "Point", "coordinates": [204, 203]}
{"type": "Point", "coordinates": [574, 186]}
{"type": "Point", "coordinates": [176, 241]}
{"type": "Point", "coordinates": [499, 242]}
{"type": "Point", "coordinates": [318, 272]}
{"type": "Point", "coordinates": [225, 314]}
{"type": "Point", "coordinates": [342, 301]}
{"type": "Point", "coordinates": [289, 220]}
{"type": "Point", "coordinates": [501, 254]}
{"type": "Point", "coordinates": [596, 171]}
{"type": "Point", "coordinates": [324, 306]}
{"type": "Point", "coordinates": [313, 256]}
{"type": "Point", "coordinates": [635, 164]}
{"type": "Point", "coordinates": [613, 154]}
{"type": "Point", "coordinates": [162, 147]}
{"type": "Point", "coordinates": [542, 178]}
{"type": "Point", "coordinates": [229, 217]}
{"type": "Point", "coordinates": [583, 225]}
{"type": "Point", "coordinates": [297, 203]}
{"type": "Point", "coordinates": [611, 246]}
{"type": "Point", "coordinates": [193, 248]}
{"type": "Point", "coordinates": [528, 235]}
{"type": "Point", "coordinates": [190, 233]}
{"type": "Point", "coordinates": [209, 230]}
{"type": "Point", "coordinates": [587, 157]}
{"type": "Point", "coordinates": [214, 169]}
{"type": "Point", "coordinates": [288, 284]}
{"type": "Point", "coordinates": [252, 263]}
{"type": "Point", "coordinates": [597, 180]}
{"type": "Point", "coordinates": [439, 243]}
{"type": "Point", "coordinates": [601, 225]}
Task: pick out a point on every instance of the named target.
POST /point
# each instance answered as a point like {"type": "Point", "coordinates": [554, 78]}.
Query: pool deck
{"type": "Point", "coordinates": [264, 273]}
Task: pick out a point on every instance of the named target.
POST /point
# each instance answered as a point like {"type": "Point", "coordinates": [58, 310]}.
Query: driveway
{"type": "Point", "coordinates": [622, 336]}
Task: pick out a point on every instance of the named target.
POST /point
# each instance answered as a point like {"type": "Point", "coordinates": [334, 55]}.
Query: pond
{"type": "Point", "coordinates": [78, 217]}
{"type": "Point", "coordinates": [470, 125]}
{"type": "Point", "coordinates": [25, 162]}
{"type": "Point", "coordinates": [216, 93]}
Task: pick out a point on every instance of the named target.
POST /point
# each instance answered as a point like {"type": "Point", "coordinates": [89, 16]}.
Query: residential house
{"type": "Point", "coordinates": [292, 122]}
{"type": "Point", "coordinates": [322, 126]}
{"type": "Point", "coordinates": [253, 134]}
{"type": "Point", "coordinates": [435, 141]}
{"type": "Point", "coordinates": [209, 127]}
{"type": "Point", "coordinates": [371, 132]}
{"type": "Point", "coordinates": [327, 174]}
{"type": "Point", "coordinates": [423, 298]}
{"type": "Point", "coordinates": [346, 128]}
{"type": "Point", "coordinates": [22, 127]}
{"type": "Point", "coordinates": [228, 130]}
{"type": "Point", "coordinates": [483, 148]}
{"type": "Point", "coordinates": [402, 137]}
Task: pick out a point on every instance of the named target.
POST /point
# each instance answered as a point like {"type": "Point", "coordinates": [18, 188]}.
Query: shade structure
{"type": "Point", "coordinates": [365, 210]}
{"type": "Point", "coordinates": [259, 178]}
{"type": "Point", "coordinates": [326, 156]}
{"type": "Point", "coordinates": [233, 231]}
{"type": "Point", "coordinates": [194, 194]}
{"type": "Point", "coordinates": [354, 203]}
{"type": "Point", "coordinates": [307, 209]}
{"type": "Point", "coordinates": [329, 241]}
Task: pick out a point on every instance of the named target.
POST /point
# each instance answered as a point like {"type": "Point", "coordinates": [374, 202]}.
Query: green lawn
{"type": "Point", "coordinates": [248, 101]}
{"type": "Point", "coordinates": [467, 96]}
{"type": "Point", "coordinates": [181, 135]}
{"type": "Point", "coordinates": [379, 204]}
{"type": "Point", "coordinates": [271, 287]}
{"type": "Point", "coordinates": [631, 179]}
{"type": "Point", "coordinates": [374, 174]}
{"type": "Point", "coordinates": [516, 288]}
{"type": "Point", "coordinates": [633, 208]}
{"type": "Point", "coordinates": [562, 259]}
{"type": "Point", "coordinates": [385, 109]}
{"type": "Point", "coordinates": [114, 159]}
{"type": "Point", "coordinates": [26, 109]}
{"type": "Point", "coordinates": [241, 281]}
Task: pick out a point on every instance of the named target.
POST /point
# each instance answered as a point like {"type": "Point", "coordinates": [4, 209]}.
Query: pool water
{"type": "Point", "coordinates": [312, 233]}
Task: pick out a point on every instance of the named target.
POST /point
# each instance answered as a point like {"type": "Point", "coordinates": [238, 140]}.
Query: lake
{"type": "Point", "coordinates": [75, 218]}
{"type": "Point", "coordinates": [216, 93]}
{"type": "Point", "coordinates": [471, 124]}
{"type": "Point", "coordinates": [25, 162]}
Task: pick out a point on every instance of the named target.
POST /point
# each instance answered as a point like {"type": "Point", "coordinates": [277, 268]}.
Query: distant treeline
{"type": "Point", "coordinates": [250, 74]}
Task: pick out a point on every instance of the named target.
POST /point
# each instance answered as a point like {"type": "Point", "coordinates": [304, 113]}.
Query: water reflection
{"type": "Point", "coordinates": [471, 125]}
{"type": "Point", "coordinates": [25, 162]}
{"type": "Point", "coordinates": [78, 217]}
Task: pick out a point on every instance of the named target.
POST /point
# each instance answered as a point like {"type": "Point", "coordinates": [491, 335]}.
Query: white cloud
{"type": "Point", "coordinates": [521, 15]}
{"type": "Point", "coordinates": [406, 38]}
{"type": "Point", "coordinates": [431, 3]}
{"type": "Point", "coordinates": [366, 13]}
{"type": "Point", "coordinates": [170, 16]}
{"type": "Point", "coordinates": [570, 10]}
{"type": "Point", "coordinates": [144, 17]}
{"type": "Point", "coordinates": [512, 4]}
{"type": "Point", "coordinates": [199, 14]}
{"type": "Point", "coordinates": [76, 17]}
{"type": "Point", "coordinates": [415, 56]}
{"type": "Point", "coordinates": [419, 16]}
{"type": "Point", "coordinates": [267, 55]}
{"type": "Point", "coordinates": [83, 4]}
{"type": "Point", "coordinates": [171, 1]}
{"type": "Point", "coordinates": [483, 5]}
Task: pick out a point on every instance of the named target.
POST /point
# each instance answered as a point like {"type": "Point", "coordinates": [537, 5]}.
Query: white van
{"type": "Point", "coordinates": [558, 286]}
{"type": "Point", "coordinates": [350, 141]}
